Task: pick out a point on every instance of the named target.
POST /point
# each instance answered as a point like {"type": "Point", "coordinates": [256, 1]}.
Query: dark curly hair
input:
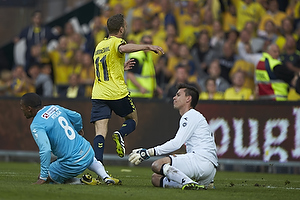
{"type": "Point", "coordinates": [190, 91]}
{"type": "Point", "coordinates": [114, 23]}
{"type": "Point", "coordinates": [32, 99]}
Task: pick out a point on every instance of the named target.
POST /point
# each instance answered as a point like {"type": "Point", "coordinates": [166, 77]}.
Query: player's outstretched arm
{"type": "Point", "coordinates": [129, 48]}
{"type": "Point", "coordinates": [139, 155]}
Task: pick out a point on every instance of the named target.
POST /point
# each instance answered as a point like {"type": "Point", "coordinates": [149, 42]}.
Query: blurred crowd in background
{"type": "Point", "coordinates": [201, 39]}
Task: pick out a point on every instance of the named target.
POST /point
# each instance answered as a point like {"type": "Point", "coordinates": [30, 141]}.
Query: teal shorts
{"type": "Point", "coordinates": [60, 171]}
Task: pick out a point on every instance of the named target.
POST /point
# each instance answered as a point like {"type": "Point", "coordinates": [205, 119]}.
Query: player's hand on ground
{"type": "Point", "coordinates": [138, 155]}
{"type": "Point", "coordinates": [39, 182]}
{"type": "Point", "coordinates": [129, 64]}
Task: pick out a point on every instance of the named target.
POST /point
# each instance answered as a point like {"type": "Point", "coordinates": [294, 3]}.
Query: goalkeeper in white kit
{"type": "Point", "coordinates": [195, 169]}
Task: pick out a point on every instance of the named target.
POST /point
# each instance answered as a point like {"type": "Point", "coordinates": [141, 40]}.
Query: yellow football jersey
{"type": "Point", "coordinates": [293, 95]}
{"type": "Point", "coordinates": [243, 94]}
{"type": "Point", "coordinates": [205, 96]}
{"type": "Point", "coordinates": [109, 81]}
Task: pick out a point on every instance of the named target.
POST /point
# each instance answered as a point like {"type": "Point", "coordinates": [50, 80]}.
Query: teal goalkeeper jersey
{"type": "Point", "coordinates": [55, 129]}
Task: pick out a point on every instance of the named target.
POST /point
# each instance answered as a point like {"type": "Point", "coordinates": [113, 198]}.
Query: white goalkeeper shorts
{"type": "Point", "coordinates": [195, 166]}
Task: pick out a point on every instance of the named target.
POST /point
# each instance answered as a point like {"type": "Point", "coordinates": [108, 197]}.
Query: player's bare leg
{"type": "Point", "coordinates": [101, 128]}
{"type": "Point", "coordinates": [128, 126]}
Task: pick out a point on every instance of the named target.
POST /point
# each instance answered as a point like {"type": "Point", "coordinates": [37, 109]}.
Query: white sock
{"type": "Point", "coordinates": [176, 175]}
{"type": "Point", "coordinates": [98, 168]}
{"type": "Point", "coordinates": [167, 183]}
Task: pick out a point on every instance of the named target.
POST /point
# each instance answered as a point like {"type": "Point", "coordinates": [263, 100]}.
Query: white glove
{"type": "Point", "coordinates": [139, 155]}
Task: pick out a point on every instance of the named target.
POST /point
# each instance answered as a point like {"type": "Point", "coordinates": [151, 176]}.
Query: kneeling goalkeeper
{"type": "Point", "coordinates": [194, 170]}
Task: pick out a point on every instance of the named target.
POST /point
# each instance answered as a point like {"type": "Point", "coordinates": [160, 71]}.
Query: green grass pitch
{"type": "Point", "coordinates": [16, 183]}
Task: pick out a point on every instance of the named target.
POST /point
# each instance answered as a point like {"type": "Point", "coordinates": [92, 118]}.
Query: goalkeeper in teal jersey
{"type": "Point", "coordinates": [59, 130]}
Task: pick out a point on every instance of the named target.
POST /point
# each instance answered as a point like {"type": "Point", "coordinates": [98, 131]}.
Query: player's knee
{"type": "Point", "coordinates": [156, 180]}
{"type": "Point", "coordinates": [155, 166]}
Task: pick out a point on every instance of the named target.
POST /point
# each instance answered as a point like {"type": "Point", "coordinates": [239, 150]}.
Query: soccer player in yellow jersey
{"type": "Point", "coordinates": [110, 91]}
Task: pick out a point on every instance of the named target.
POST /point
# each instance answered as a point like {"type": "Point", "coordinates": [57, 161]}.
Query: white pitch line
{"type": "Point", "coordinates": [289, 188]}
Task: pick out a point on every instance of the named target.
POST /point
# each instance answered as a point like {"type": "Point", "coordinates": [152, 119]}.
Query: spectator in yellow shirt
{"type": "Point", "coordinates": [208, 22]}
{"type": "Point", "coordinates": [296, 10]}
{"type": "Point", "coordinates": [137, 11]}
{"type": "Point", "coordinates": [184, 15]}
{"type": "Point", "coordinates": [72, 37]}
{"type": "Point", "coordinates": [286, 29]}
{"type": "Point", "coordinates": [274, 14]}
{"type": "Point", "coordinates": [211, 92]}
{"type": "Point", "coordinates": [247, 68]}
{"type": "Point", "coordinates": [75, 89]}
{"type": "Point", "coordinates": [229, 19]}
{"type": "Point", "coordinates": [21, 83]}
{"type": "Point", "coordinates": [190, 32]}
{"type": "Point", "coordinates": [248, 10]}
{"type": "Point", "coordinates": [172, 56]}
{"type": "Point", "coordinates": [158, 34]}
{"type": "Point", "coordinates": [238, 91]}
{"type": "Point", "coordinates": [137, 30]}
{"type": "Point", "coordinates": [6, 79]}
{"type": "Point", "coordinates": [61, 59]}
{"type": "Point", "coordinates": [128, 4]}
{"type": "Point", "coordinates": [153, 7]}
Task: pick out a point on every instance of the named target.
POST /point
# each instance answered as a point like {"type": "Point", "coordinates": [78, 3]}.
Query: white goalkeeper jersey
{"type": "Point", "coordinates": [195, 133]}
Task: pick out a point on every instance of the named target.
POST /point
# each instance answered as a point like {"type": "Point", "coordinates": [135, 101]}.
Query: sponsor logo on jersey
{"type": "Point", "coordinates": [184, 124]}
{"type": "Point", "coordinates": [49, 112]}
{"type": "Point", "coordinates": [56, 114]}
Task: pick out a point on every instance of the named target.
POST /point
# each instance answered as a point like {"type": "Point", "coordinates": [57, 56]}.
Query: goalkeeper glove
{"type": "Point", "coordinates": [139, 155]}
